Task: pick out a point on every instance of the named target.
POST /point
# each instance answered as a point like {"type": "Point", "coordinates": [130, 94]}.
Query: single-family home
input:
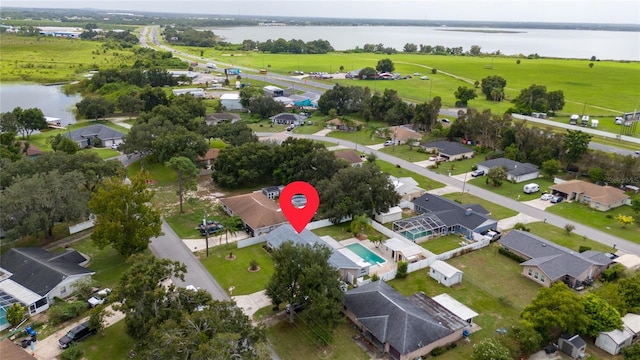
{"type": "Point", "coordinates": [573, 346]}
{"type": "Point", "coordinates": [407, 188]}
{"type": "Point", "coordinates": [217, 118]}
{"type": "Point", "coordinates": [206, 161]}
{"type": "Point", "coordinates": [259, 213]}
{"type": "Point", "coordinates": [403, 134]}
{"type": "Point", "coordinates": [516, 171]}
{"type": "Point", "coordinates": [96, 135]}
{"type": "Point", "coordinates": [400, 249]}
{"type": "Point", "coordinates": [629, 261]}
{"type": "Point", "coordinates": [445, 274]}
{"type": "Point", "coordinates": [449, 150]}
{"type": "Point", "coordinates": [350, 265]}
{"type": "Point", "coordinates": [546, 262]}
{"type": "Point", "coordinates": [352, 157]}
{"type": "Point", "coordinates": [272, 192]}
{"type": "Point", "coordinates": [440, 216]}
{"type": "Point", "coordinates": [288, 119]}
{"type": "Point", "coordinates": [231, 102]}
{"type": "Point", "coordinates": [615, 340]}
{"type": "Point", "coordinates": [403, 327]}
{"type": "Point", "coordinates": [32, 150]}
{"type": "Point", "coordinates": [343, 125]}
{"type": "Point", "coordinates": [34, 277]}
{"type": "Point", "coordinates": [602, 198]}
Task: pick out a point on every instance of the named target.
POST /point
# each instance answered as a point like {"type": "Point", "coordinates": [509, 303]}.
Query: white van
{"type": "Point", "coordinates": [212, 66]}
{"type": "Point", "coordinates": [531, 188]}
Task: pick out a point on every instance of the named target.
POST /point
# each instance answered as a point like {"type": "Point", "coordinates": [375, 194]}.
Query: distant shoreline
{"type": "Point", "coordinates": [485, 31]}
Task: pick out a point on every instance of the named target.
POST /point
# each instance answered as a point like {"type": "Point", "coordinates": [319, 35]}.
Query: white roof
{"type": "Point", "coordinates": [629, 261]}
{"type": "Point", "coordinates": [619, 336]}
{"type": "Point", "coordinates": [19, 292]}
{"type": "Point", "coordinates": [406, 247]}
{"type": "Point", "coordinates": [393, 210]}
{"type": "Point", "coordinates": [444, 268]}
{"type": "Point", "coordinates": [456, 307]}
{"type": "Point", "coordinates": [230, 96]}
{"type": "Point", "coordinates": [632, 321]}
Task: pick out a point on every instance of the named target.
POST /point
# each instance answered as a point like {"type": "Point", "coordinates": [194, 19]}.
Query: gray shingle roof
{"type": "Point", "coordinates": [102, 132]}
{"type": "Point", "coordinates": [452, 213]}
{"type": "Point", "coordinates": [287, 117]}
{"type": "Point", "coordinates": [40, 271]}
{"type": "Point", "coordinates": [513, 167]}
{"type": "Point", "coordinates": [448, 147]}
{"type": "Point", "coordinates": [407, 324]}
{"type": "Point", "coordinates": [286, 232]}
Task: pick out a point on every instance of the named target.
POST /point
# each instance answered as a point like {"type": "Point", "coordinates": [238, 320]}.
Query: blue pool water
{"type": "Point", "coordinates": [365, 254]}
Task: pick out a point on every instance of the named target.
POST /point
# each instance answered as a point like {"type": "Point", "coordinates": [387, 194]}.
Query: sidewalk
{"type": "Point", "coordinates": [216, 240]}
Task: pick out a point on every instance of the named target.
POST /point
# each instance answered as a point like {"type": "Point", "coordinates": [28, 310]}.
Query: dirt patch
{"type": "Point", "coordinates": [254, 270]}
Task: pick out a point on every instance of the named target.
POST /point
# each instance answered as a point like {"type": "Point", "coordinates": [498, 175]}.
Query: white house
{"type": "Point", "coordinates": [231, 102]}
{"type": "Point", "coordinates": [394, 213]}
{"type": "Point", "coordinates": [516, 171]}
{"type": "Point", "coordinates": [445, 274]}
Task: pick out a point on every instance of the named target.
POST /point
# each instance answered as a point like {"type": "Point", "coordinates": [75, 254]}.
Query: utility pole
{"type": "Point", "coordinates": [206, 231]}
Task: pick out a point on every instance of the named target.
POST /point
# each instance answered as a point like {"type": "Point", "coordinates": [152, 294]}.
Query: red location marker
{"type": "Point", "coordinates": [300, 213]}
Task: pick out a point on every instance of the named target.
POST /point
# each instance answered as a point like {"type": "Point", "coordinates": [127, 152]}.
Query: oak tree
{"type": "Point", "coordinates": [602, 316]}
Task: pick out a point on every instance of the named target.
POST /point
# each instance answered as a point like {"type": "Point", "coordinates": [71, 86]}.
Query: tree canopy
{"type": "Point", "coordinates": [24, 121]}
{"type": "Point", "coordinates": [493, 87]}
{"type": "Point", "coordinates": [602, 316]}
{"type": "Point", "coordinates": [535, 98]}
{"type": "Point", "coordinates": [187, 174]}
{"type": "Point", "coordinates": [577, 144]}
{"type": "Point", "coordinates": [125, 217]}
{"type": "Point", "coordinates": [385, 65]}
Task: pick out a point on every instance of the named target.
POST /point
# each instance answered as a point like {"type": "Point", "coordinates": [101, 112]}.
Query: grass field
{"type": "Point", "coordinates": [48, 59]}
{"type": "Point", "coordinates": [460, 166]}
{"type": "Point", "coordinates": [341, 231]}
{"type": "Point", "coordinates": [423, 181]}
{"type": "Point", "coordinates": [442, 244]}
{"type": "Point", "coordinates": [561, 237]}
{"type": "Point", "coordinates": [107, 263]}
{"type": "Point", "coordinates": [512, 190]}
{"type": "Point", "coordinates": [497, 212]}
{"type": "Point", "coordinates": [117, 347]}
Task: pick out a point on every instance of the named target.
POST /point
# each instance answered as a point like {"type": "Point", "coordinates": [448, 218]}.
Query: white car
{"type": "Point", "coordinates": [99, 297]}
{"type": "Point", "coordinates": [546, 197]}
{"type": "Point", "coordinates": [424, 77]}
{"type": "Point", "coordinates": [433, 158]}
{"type": "Point", "coordinates": [619, 120]}
{"type": "Point", "coordinates": [388, 143]}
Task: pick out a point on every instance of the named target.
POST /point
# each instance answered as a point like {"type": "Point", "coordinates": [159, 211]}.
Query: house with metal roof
{"type": "Point", "coordinates": [516, 171]}
{"type": "Point", "coordinates": [403, 327]}
{"type": "Point", "coordinates": [34, 276]}
{"type": "Point", "coordinates": [601, 198]}
{"type": "Point", "coordinates": [259, 213]}
{"type": "Point", "coordinates": [440, 216]}
{"type": "Point", "coordinates": [449, 150]}
{"type": "Point", "coordinates": [96, 135]}
{"type": "Point", "coordinates": [350, 265]}
{"type": "Point", "coordinates": [547, 262]}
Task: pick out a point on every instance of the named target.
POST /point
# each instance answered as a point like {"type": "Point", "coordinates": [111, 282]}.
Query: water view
{"type": "Point", "coordinates": [50, 99]}
{"type": "Point", "coordinates": [582, 44]}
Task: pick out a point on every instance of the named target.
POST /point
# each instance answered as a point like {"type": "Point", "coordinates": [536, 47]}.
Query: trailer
{"type": "Point", "coordinates": [273, 90]}
{"type": "Point", "coordinates": [585, 121]}
{"type": "Point", "coordinates": [573, 120]}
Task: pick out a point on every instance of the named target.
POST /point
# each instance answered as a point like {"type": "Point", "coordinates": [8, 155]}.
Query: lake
{"type": "Point", "coordinates": [50, 99]}
{"type": "Point", "coordinates": [582, 44]}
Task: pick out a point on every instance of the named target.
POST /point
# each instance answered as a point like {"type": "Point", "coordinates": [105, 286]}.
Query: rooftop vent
{"type": "Point", "coordinates": [467, 212]}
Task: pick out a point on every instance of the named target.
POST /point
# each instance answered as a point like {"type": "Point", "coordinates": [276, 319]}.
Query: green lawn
{"type": "Point", "coordinates": [405, 153]}
{"type": "Point", "coordinates": [360, 137]}
{"type": "Point", "coordinates": [423, 181]}
{"type": "Point", "coordinates": [158, 172]}
{"type": "Point", "coordinates": [266, 126]}
{"type": "Point", "coordinates": [442, 244]}
{"type": "Point", "coordinates": [497, 212]}
{"type": "Point", "coordinates": [236, 272]}
{"type": "Point", "coordinates": [341, 231]}
{"type": "Point", "coordinates": [293, 342]}
{"type": "Point", "coordinates": [561, 237]}
{"type": "Point", "coordinates": [513, 190]}
{"type": "Point", "coordinates": [104, 153]}
{"type": "Point", "coordinates": [112, 343]}
{"type": "Point", "coordinates": [602, 220]}
{"type": "Point", "coordinates": [184, 224]}
{"type": "Point", "coordinates": [107, 263]}
{"type": "Point", "coordinates": [460, 166]}
{"type": "Point", "coordinates": [491, 285]}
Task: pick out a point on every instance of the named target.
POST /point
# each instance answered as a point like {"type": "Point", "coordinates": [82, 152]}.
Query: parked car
{"type": "Point", "coordinates": [424, 77]}
{"type": "Point", "coordinates": [477, 173]}
{"type": "Point", "coordinates": [433, 158]}
{"type": "Point", "coordinates": [619, 120]}
{"type": "Point", "coordinates": [290, 127]}
{"type": "Point", "coordinates": [99, 297]}
{"type": "Point", "coordinates": [556, 199]}
{"type": "Point", "coordinates": [76, 334]}
{"type": "Point", "coordinates": [546, 197]}
{"type": "Point", "coordinates": [446, 121]}
{"type": "Point", "coordinates": [211, 228]}
{"type": "Point", "coordinates": [388, 143]}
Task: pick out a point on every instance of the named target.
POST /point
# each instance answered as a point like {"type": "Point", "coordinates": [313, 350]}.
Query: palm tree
{"type": "Point", "coordinates": [360, 224]}
{"type": "Point", "coordinates": [374, 129]}
{"type": "Point", "coordinates": [231, 224]}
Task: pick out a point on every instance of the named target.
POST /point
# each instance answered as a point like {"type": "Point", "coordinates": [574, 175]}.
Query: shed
{"type": "Point", "coordinates": [573, 346]}
{"type": "Point", "coordinates": [231, 101]}
{"type": "Point", "coordinates": [445, 274]}
{"type": "Point", "coordinates": [459, 309]}
{"type": "Point", "coordinates": [394, 213]}
{"type": "Point", "coordinates": [613, 341]}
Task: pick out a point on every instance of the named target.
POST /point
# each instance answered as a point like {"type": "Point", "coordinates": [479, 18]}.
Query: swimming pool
{"type": "Point", "coordinates": [366, 254]}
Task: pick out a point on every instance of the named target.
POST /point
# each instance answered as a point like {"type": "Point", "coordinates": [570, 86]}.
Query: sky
{"type": "Point", "coordinates": [575, 11]}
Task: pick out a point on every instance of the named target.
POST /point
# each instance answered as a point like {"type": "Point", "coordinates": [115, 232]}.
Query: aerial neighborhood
{"type": "Point", "coordinates": [167, 193]}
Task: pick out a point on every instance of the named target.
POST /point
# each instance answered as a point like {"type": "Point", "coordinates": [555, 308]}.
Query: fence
{"type": "Point", "coordinates": [83, 225]}
{"type": "Point", "coordinates": [251, 241]}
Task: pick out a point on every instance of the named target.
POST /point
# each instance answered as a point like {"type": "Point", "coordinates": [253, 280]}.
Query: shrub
{"type": "Point", "coordinates": [63, 311]}
{"type": "Point", "coordinates": [569, 228]}
{"type": "Point", "coordinates": [253, 265]}
{"type": "Point", "coordinates": [15, 314]}
{"type": "Point", "coordinates": [511, 255]}
{"type": "Point", "coordinates": [375, 277]}
{"type": "Point", "coordinates": [583, 248]}
{"type": "Point", "coordinates": [521, 226]}
{"type": "Point", "coordinates": [73, 352]}
{"type": "Point", "coordinates": [612, 273]}
{"type": "Point", "coordinates": [438, 351]}
{"type": "Point", "coordinates": [403, 266]}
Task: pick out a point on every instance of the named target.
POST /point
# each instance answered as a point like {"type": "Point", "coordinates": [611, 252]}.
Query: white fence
{"type": "Point", "coordinates": [251, 241]}
{"type": "Point", "coordinates": [83, 225]}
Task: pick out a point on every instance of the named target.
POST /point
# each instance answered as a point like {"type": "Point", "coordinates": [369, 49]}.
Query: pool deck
{"type": "Point", "coordinates": [387, 266]}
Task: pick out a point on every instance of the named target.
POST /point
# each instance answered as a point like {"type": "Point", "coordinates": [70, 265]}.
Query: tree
{"type": "Point", "coordinates": [401, 272]}
{"type": "Point", "coordinates": [360, 224]}
{"type": "Point", "coordinates": [602, 316]}
{"type": "Point", "coordinates": [248, 93]}
{"type": "Point", "coordinates": [410, 48]}
{"type": "Point", "coordinates": [64, 144]}
{"type": "Point", "coordinates": [125, 218]}
{"type": "Point", "coordinates": [555, 99]}
{"type": "Point", "coordinates": [475, 50]}
{"type": "Point", "coordinates": [265, 106]}
{"type": "Point", "coordinates": [385, 65]}
{"type": "Point", "coordinates": [491, 84]}
{"type": "Point", "coordinates": [551, 167]}
{"type": "Point", "coordinates": [152, 97]}
{"type": "Point", "coordinates": [187, 173]}
{"type": "Point", "coordinates": [302, 273]}
{"type": "Point", "coordinates": [26, 121]}
{"type": "Point", "coordinates": [631, 352]}
{"type": "Point", "coordinates": [496, 176]}
{"type": "Point", "coordinates": [569, 228]}
{"type": "Point", "coordinates": [354, 191]}
{"type": "Point", "coordinates": [635, 204]}
{"type": "Point", "coordinates": [9, 122]}
{"type": "Point", "coordinates": [95, 107]}
{"type": "Point", "coordinates": [490, 349]}
{"type": "Point", "coordinates": [597, 174]}
{"type": "Point", "coordinates": [463, 95]}
{"type": "Point", "coordinates": [527, 339]}
{"type": "Point", "coordinates": [130, 103]}
{"type": "Point", "coordinates": [231, 225]}
{"type": "Point", "coordinates": [15, 314]}
{"type": "Point", "coordinates": [179, 143]}
{"type": "Point", "coordinates": [367, 73]}
{"type": "Point", "coordinates": [554, 310]}
{"type": "Point", "coordinates": [576, 144]}
{"type": "Point", "coordinates": [625, 220]}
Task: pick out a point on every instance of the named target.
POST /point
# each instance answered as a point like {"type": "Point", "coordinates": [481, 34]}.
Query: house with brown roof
{"type": "Point", "coordinates": [404, 134]}
{"type": "Point", "coordinates": [602, 198]}
{"type": "Point", "coordinates": [342, 125]}
{"type": "Point", "coordinates": [351, 156]}
{"type": "Point", "coordinates": [259, 213]}
{"type": "Point", "coordinates": [206, 161]}
{"type": "Point", "coordinates": [32, 151]}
